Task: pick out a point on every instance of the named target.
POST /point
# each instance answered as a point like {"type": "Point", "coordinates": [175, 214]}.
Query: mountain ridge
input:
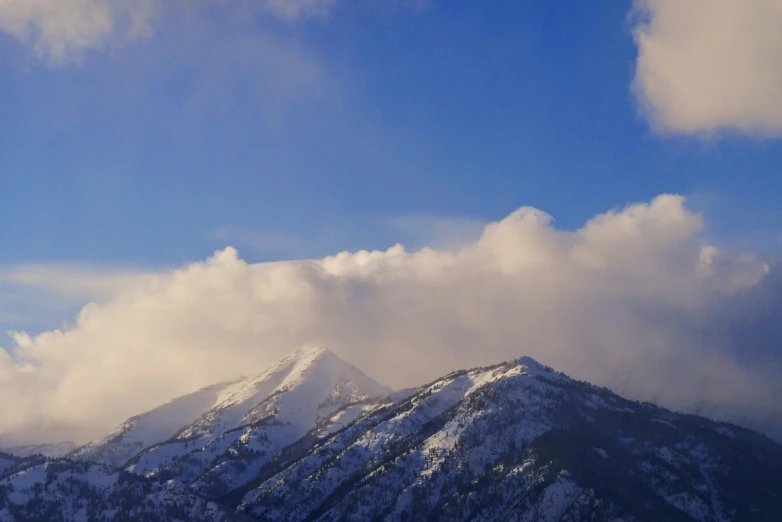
{"type": "Point", "coordinates": [51, 450]}
{"type": "Point", "coordinates": [534, 443]}
{"type": "Point", "coordinates": [309, 439]}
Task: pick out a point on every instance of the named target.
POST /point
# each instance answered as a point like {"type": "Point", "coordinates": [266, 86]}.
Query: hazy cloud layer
{"type": "Point", "coordinates": [710, 65]}
{"type": "Point", "coordinates": [90, 282]}
{"type": "Point", "coordinates": [633, 300]}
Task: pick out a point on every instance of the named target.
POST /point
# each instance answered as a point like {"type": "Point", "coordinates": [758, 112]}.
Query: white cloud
{"type": "Point", "coordinates": [62, 30]}
{"type": "Point", "coordinates": [624, 301]}
{"type": "Point", "coordinates": [710, 65]}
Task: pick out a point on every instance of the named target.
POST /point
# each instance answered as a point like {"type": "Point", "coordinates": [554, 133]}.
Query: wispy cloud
{"type": "Point", "coordinates": [61, 31]}
{"type": "Point", "coordinates": [75, 280]}
{"type": "Point", "coordinates": [710, 65]}
{"type": "Point", "coordinates": [635, 299]}
{"type": "Point", "coordinates": [296, 9]}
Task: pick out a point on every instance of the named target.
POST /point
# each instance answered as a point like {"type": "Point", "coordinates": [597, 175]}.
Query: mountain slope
{"type": "Point", "coordinates": [152, 427]}
{"type": "Point", "coordinates": [519, 441]}
{"type": "Point", "coordinates": [254, 419]}
{"type": "Point", "coordinates": [55, 450]}
{"type": "Point", "coordinates": [41, 489]}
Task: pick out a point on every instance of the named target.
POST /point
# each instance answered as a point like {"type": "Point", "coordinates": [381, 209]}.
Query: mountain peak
{"type": "Point", "coordinates": [260, 415]}
{"type": "Point", "coordinates": [312, 350]}
{"type": "Point", "coordinates": [526, 360]}
{"type": "Point", "coordinates": [533, 367]}
{"type": "Point", "coordinates": [309, 355]}
{"type": "Point", "coordinates": [305, 355]}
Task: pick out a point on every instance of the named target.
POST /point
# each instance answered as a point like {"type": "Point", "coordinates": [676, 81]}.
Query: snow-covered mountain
{"type": "Point", "coordinates": [520, 442]}
{"type": "Point", "coordinates": [315, 439]}
{"type": "Point", "coordinates": [54, 450]}
{"type": "Point", "coordinates": [61, 490]}
{"type": "Point", "coordinates": [232, 429]}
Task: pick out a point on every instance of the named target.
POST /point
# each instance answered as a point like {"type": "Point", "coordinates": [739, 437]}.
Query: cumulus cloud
{"type": "Point", "coordinates": [62, 30]}
{"type": "Point", "coordinates": [710, 65]}
{"type": "Point", "coordinates": [629, 300]}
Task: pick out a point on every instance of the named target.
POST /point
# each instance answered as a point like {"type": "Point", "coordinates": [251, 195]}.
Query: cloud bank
{"type": "Point", "coordinates": [631, 300]}
{"type": "Point", "coordinates": [710, 65]}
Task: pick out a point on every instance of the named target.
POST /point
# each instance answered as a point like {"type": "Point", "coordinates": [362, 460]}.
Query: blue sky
{"type": "Point", "coordinates": [307, 136]}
